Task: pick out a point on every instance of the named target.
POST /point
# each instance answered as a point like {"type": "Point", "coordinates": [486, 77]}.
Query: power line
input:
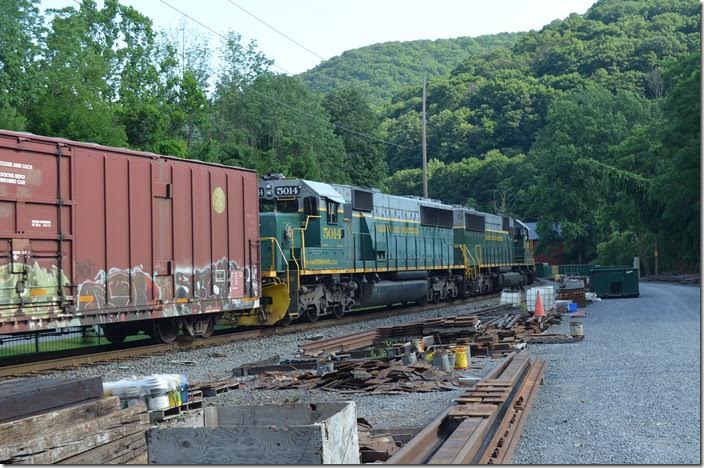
{"type": "Point", "coordinates": [361, 134]}
{"type": "Point", "coordinates": [347, 101]}
{"type": "Point", "coordinates": [277, 31]}
{"type": "Point", "coordinates": [223, 36]}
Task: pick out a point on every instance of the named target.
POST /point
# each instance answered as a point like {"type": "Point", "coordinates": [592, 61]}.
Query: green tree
{"type": "Point", "coordinates": [79, 98]}
{"type": "Point", "coordinates": [21, 32]}
{"type": "Point", "coordinates": [272, 123]}
{"type": "Point", "coordinates": [356, 124]}
{"type": "Point", "coordinates": [675, 185]}
{"type": "Point", "coordinates": [581, 129]}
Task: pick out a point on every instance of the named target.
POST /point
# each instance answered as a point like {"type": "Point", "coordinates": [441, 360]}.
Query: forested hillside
{"type": "Point", "coordinates": [381, 70]}
{"type": "Point", "coordinates": [584, 124]}
{"type": "Point", "coordinates": [590, 124]}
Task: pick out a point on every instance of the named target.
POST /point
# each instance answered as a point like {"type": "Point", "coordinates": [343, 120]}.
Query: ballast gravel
{"type": "Point", "coordinates": [628, 393]}
{"type": "Point", "coordinates": [218, 361]}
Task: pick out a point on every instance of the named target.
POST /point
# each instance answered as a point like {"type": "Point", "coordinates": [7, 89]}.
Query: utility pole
{"type": "Point", "coordinates": [425, 149]}
{"type": "Point", "coordinates": [183, 49]}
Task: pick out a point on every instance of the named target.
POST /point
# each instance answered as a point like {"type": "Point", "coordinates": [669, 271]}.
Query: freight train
{"type": "Point", "coordinates": [134, 241]}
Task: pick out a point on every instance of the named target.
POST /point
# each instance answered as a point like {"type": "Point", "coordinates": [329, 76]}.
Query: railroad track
{"type": "Point", "coordinates": [80, 357]}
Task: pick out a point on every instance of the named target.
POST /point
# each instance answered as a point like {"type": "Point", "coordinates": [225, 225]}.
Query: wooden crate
{"type": "Point", "coordinates": [302, 433]}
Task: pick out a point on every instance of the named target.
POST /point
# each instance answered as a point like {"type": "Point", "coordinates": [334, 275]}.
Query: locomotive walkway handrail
{"type": "Point", "coordinates": [275, 241]}
{"type": "Point", "coordinates": [472, 268]}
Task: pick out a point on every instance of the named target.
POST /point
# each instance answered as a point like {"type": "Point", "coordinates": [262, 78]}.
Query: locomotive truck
{"type": "Point", "coordinates": [133, 241]}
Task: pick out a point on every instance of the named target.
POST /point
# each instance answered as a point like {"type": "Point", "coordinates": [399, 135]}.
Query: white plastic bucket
{"type": "Point", "coordinates": [156, 403]}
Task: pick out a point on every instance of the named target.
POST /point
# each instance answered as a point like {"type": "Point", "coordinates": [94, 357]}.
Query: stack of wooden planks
{"type": "Point", "coordinates": [576, 295]}
{"type": "Point", "coordinates": [68, 421]}
{"type": "Point", "coordinates": [367, 376]}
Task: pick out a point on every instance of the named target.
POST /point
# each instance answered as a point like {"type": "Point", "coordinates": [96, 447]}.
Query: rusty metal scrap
{"type": "Point", "coordinates": [550, 338]}
{"type": "Point", "coordinates": [339, 343]}
{"type": "Point", "coordinates": [374, 447]}
{"type": "Point", "coordinates": [368, 376]}
{"type": "Point", "coordinates": [493, 330]}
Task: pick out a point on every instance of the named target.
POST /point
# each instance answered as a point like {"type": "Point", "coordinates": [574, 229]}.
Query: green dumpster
{"type": "Point", "coordinates": [574, 270]}
{"type": "Point", "coordinates": [617, 281]}
{"type": "Point", "coordinates": [543, 270]}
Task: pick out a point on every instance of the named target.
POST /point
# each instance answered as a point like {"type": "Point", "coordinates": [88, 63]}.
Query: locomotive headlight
{"type": "Point", "coordinates": [268, 191]}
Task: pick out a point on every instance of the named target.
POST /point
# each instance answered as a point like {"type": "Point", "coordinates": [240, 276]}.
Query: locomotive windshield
{"type": "Point", "coordinates": [285, 205]}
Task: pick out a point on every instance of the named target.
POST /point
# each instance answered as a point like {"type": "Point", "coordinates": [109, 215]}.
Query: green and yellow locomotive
{"type": "Point", "coordinates": [328, 249]}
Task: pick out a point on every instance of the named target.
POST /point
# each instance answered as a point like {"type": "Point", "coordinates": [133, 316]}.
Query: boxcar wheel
{"type": "Point", "coordinates": [165, 330]}
{"type": "Point", "coordinates": [337, 311]}
{"type": "Point", "coordinates": [312, 314]}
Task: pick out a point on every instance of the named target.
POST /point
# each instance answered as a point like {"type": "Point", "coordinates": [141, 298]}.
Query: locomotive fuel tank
{"type": "Point", "coordinates": [510, 279]}
{"type": "Point", "coordinates": [391, 292]}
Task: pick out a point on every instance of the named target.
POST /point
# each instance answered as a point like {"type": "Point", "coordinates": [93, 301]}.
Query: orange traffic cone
{"type": "Point", "coordinates": [539, 311]}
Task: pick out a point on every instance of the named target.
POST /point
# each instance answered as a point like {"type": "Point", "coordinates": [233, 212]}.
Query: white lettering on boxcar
{"type": "Point", "coordinates": [41, 223]}
{"type": "Point", "coordinates": [13, 177]}
{"type": "Point", "coordinates": [15, 165]}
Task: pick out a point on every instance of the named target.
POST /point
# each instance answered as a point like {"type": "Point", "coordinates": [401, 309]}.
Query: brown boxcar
{"type": "Point", "coordinates": [98, 235]}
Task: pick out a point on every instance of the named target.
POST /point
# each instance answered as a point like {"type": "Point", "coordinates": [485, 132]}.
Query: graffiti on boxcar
{"type": "Point", "coordinates": [197, 290]}
{"type": "Point", "coordinates": [37, 289]}
{"type": "Point", "coordinates": [124, 288]}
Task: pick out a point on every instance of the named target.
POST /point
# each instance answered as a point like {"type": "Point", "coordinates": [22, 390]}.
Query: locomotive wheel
{"type": "Point", "coordinates": [312, 314]}
{"type": "Point", "coordinates": [337, 311]}
{"type": "Point", "coordinates": [165, 330]}
{"type": "Point", "coordinates": [114, 334]}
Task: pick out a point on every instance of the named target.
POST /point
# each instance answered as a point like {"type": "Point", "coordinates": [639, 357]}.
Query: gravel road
{"type": "Point", "coordinates": [630, 392]}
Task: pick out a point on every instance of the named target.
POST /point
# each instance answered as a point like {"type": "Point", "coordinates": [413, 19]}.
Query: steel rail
{"type": "Point", "coordinates": [75, 360]}
{"type": "Point", "coordinates": [484, 424]}
{"type": "Point", "coordinates": [505, 440]}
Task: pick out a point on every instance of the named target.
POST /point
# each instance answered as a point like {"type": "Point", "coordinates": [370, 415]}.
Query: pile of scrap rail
{"type": "Point", "coordinates": [482, 426]}
{"type": "Point", "coordinates": [489, 331]}
{"type": "Point", "coordinates": [46, 421]}
{"type": "Point", "coordinates": [372, 377]}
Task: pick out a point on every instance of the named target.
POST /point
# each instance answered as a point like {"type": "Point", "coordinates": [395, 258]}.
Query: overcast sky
{"type": "Point", "coordinates": [329, 27]}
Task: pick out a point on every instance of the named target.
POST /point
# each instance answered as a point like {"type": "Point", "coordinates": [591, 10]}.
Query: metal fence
{"type": "Point", "coordinates": [25, 345]}
{"type": "Point", "coordinates": [14, 346]}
